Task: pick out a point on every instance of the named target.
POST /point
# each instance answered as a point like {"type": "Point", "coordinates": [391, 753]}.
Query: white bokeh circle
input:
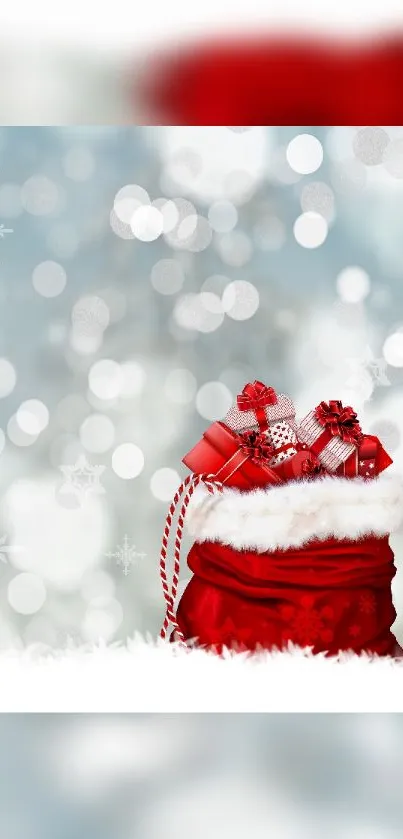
{"type": "Point", "coordinates": [127, 200]}
{"type": "Point", "coordinates": [353, 284]}
{"type": "Point", "coordinates": [164, 483]}
{"type": "Point", "coordinates": [147, 223]}
{"type": "Point", "coordinates": [167, 276]}
{"type": "Point", "coordinates": [32, 417]}
{"type": "Point", "coordinates": [304, 154]}
{"type": "Point", "coordinates": [213, 400]}
{"type": "Point", "coordinates": [105, 379]}
{"type": "Point", "coordinates": [223, 216]}
{"type": "Point", "coordinates": [240, 300]}
{"type": "Point", "coordinates": [127, 461]}
{"type": "Point", "coordinates": [97, 433]}
{"type": "Point", "coordinates": [393, 349]}
{"type": "Point", "coordinates": [49, 278]}
{"type": "Point", "coordinates": [26, 593]}
{"type": "Point", "coordinates": [8, 377]}
{"type": "Point", "coordinates": [310, 230]}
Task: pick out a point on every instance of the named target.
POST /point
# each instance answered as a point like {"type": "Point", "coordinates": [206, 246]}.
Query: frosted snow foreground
{"type": "Point", "coordinates": [149, 676]}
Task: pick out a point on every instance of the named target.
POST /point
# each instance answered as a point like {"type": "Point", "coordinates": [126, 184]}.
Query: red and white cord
{"type": "Point", "coordinates": [188, 487]}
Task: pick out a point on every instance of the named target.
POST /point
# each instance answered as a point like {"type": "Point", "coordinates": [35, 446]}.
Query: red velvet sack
{"type": "Point", "coordinates": [330, 596]}
{"type": "Point", "coordinates": [307, 562]}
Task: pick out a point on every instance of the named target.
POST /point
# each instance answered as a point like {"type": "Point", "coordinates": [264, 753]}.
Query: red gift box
{"type": "Point", "coordinates": [366, 461]}
{"type": "Point", "coordinates": [260, 408]}
{"type": "Point", "coordinates": [236, 460]}
{"type": "Point", "coordinates": [302, 465]}
{"type": "Point", "coordinates": [332, 433]}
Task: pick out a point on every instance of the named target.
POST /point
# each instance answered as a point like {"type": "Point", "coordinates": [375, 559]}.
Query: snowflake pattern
{"type": "Point", "coordinates": [367, 603]}
{"type": "Point", "coordinates": [82, 479]}
{"type": "Point", "coordinates": [126, 555]}
{"type": "Point", "coordinates": [307, 625]}
{"type": "Point", "coordinates": [6, 550]}
{"type": "Point", "coordinates": [5, 230]}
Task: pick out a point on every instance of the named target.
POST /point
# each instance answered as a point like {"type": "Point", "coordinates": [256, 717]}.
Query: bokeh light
{"type": "Point", "coordinates": [310, 230]}
{"type": "Point", "coordinates": [17, 435]}
{"type": "Point", "coordinates": [213, 400]}
{"type": "Point", "coordinates": [129, 199]}
{"type": "Point", "coordinates": [127, 461]}
{"type": "Point", "coordinates": [202, 312]}
{"type": "Point", "coordinates": [120, 228]}
{"type": "Point", "coordinates": [90, 315]}
{"type": "Point", "coordinates": [164, 483]}
{"type": "Point", "coordinates": [240, 300]}
{"type": "Point", "coordinates": [370, 144]}
{"type": "Point", "coordinates": [393, 158]}
{"type": "Point", "coordinates": [26, 593]}
{"type": "Point", "coordinates": [353, 284]}
{"type": "Point", "coordinates": [167, 276]}
{"type": "Point", "coordinates": [305, 154]}
{"type": "Point", "coordinates": [318, 197]}
{"type": "Point", "coordinates": [58, 543]}
{"type": "Point", "coordinates": [49, 278]}
{"type": "Point", "coordinates": [40, 196]}
{"type": "Point", "coordinates": [393, 349]}
{"type": "Point", "coordinates": [222, 216]}
{"type": "Point", "coordinates": [8, 377]}
{"type": "Point", "coordinates": [32, 416]}
{"type": "Point", "coordinates": [105, 379]}
{"type": "Point", "coordinates": [147, 223]}
{"type": "Point", "coordinates": [205, 170]}
{"type": "Point", "coordinates": [97, 433]}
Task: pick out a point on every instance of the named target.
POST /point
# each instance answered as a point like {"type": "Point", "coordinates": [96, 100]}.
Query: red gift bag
{"type": "Point", "coordinates": [308, 562]}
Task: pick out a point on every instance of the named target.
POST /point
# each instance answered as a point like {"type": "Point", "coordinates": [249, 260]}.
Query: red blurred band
{"type": "Point", "coordinates": [279, 82]}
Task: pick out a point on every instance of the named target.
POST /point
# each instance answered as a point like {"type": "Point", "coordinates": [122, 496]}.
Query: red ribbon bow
{"type": "Point", "coordinates": [256, 397]}
{"type": "Point", "coordinates": [311, 465]}
{"type": "Point", "coordinates": [257, 446]}
{"type": "Point", "coordinates": [340, 421]}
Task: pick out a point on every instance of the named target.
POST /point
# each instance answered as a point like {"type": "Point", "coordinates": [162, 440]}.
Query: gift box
{"type": "Point", "coordinates": [332, 433]}
{"type": "Point", "coordinates": [240, 461]}
{"type": "Point", "coordinates": [302, 465]}
{"type": "Point", "coordinates": [367, 460]}
{"type": "Point", "coordinates": [260, 408]}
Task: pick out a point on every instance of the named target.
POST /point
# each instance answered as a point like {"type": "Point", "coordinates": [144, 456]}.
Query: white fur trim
{"type": "Point", "coordinates": [289, 515]}
{"type": "Point", "coordinates": [151, 677]}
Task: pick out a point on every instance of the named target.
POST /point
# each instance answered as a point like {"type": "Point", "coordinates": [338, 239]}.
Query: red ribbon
{"type": "Point", "coordinates": [367, 452]}
{"type": "Point", "coordinates": [311, 465]}
{"type": "Point", "coordinates": [256, 397]}
{"type": "Point", "coordinates": [339, 421]}
{"type": "Point", "coordinates": [253, 446]}
{"type": "Point", "coordinates": [257, 446]}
